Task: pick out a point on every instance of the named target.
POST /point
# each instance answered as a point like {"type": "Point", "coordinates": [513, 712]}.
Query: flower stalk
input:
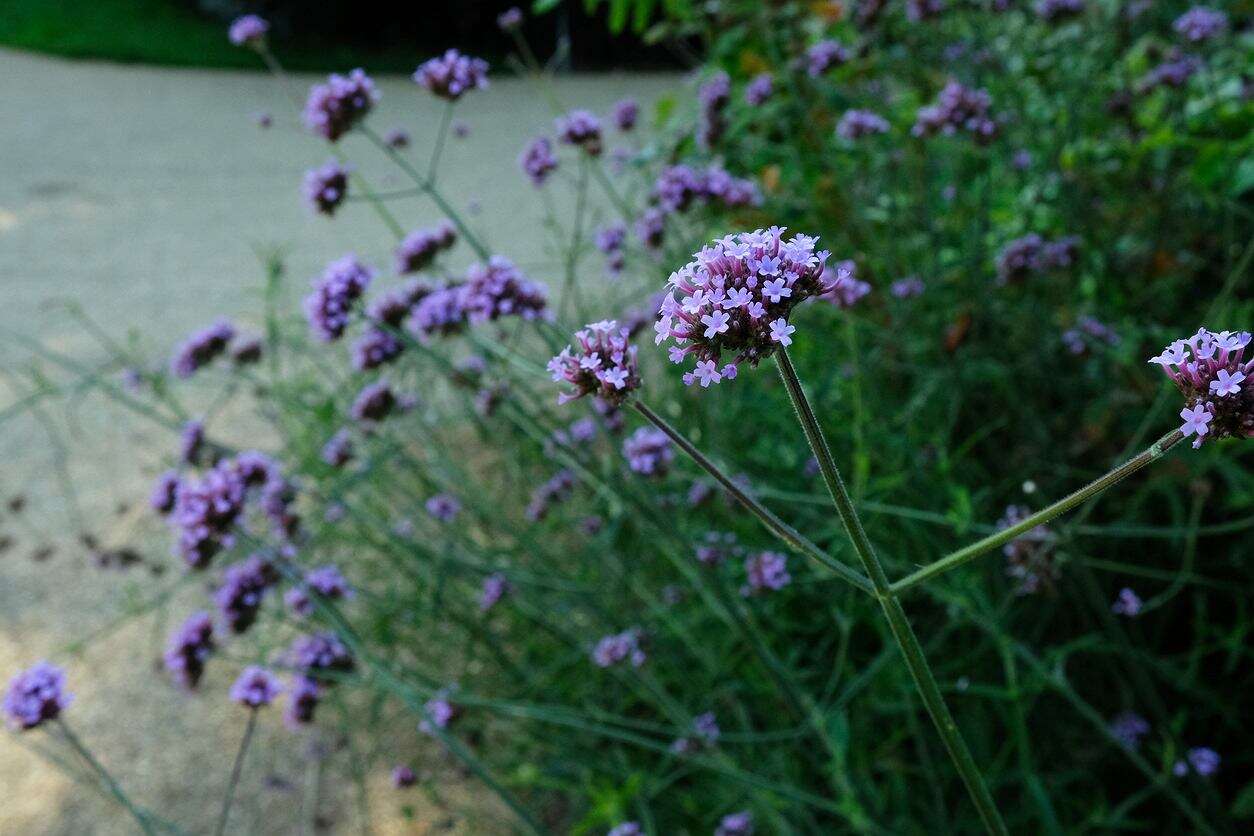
{"type": "Point", "coordinates": [109, 781]}
{"type": "Point", "coordinates": [236, 769]}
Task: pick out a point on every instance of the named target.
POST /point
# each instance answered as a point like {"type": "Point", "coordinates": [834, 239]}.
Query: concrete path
{"type": "Point", "coordinates": [140, 194]}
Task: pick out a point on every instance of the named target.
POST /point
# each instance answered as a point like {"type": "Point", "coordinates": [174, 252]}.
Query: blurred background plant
{"type": "Point", "coordinates": [1031, 201]}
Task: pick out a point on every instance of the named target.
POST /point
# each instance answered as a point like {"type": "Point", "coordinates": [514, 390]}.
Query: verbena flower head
{"type": "Point", "coordinates": [338, 451]}
{"type": "Point", "coordinates": [256, 687]}
{"type": "Point", "coordinates": [439, 312]}
{"type": "Point", "coordinates": [401, 775]}
{"type": "Point", "coordinates": [302, 702]}
{"type": "Point", "coordinates": [248, 30]}
{"type": "Point", "coordinates": [1200, 759]}
{"type": "Point", "coordinates": [244, 587]}
{"type": "Point", "coordinates": [321, 656]}
{"type": "Point", "coordinates": [374, 348]}
{"type": "Point", "coordinates": [715, 548]}
{"type": "Point", "coordinates": [918, 11]}
{"type": "Point", "coordinates": [188, 649]}
{"type": "Point", "coordinates": [736, 297]}
{"type": "Point", "coordinates": [1127, 603]}
{"type": "Point", "coordinates": [1211, 371]}
{"type": "Point", "coordinates": [618, 648]}
{"type": "Point", "coordinates": [1176, 69]}
{"type": "Point", "coordinates": [443, 507]}
{"type": "Point", "coordinates": [1128, 728]}
{"type": "Point", "coordinates": [335, 107]}
{"type": "Point", "coordinates": [537, 160]}
{"type": "Point", "coordinates": [246, 349]}
{"type": "Point", "coordinates": [452, 75]}
{"type": "Point", "coordinates": [735, 824]}
{"type": "Point", "coordinates": [649, 451]}
{"type": "Point", "coordinates": [495, 587]}
{"type": "Point", "coordinates": [334, 292]}
{"type": "Point", "coordinates": [557, 489]}
{"type": "Point", "coordinates": [824, 56]}
{"type": "Point", "coordinates": [582, 129]}
{"type": "Point", "coordinates": [761, 88]}
{"type": "Point", "coordinates": [705, 732]}
{"type": "Point", "coordinates": [627, 828]}
{"type": "Point", "coordinates": [713, 95]}
{"type": "Point", "coordinates": [1201, 23]}
{"type": "Point", "coordinates": [397, 138]}
{"type": "Point", "coordinates": [191, 441]}
{"type": "Point", "coordinates": [421, 246]}
{"type": "Point", "coordinates": [35, 696]}
{"type": "Point", "coordinates": [440, 712]}
{"type": "Point", "coordinates": [849, 289]}
{"type": "Point", "coordinates": [1030, 556]}
{"type": "Point", "coordinates": [326, 187]}
{"type": "Point", "coordinates": [510, 19]}
{"type": "Point", "coordinates": [765, 572]}
{"type": "Point", "coordinates": [374, 402]}
{"type": "Point", "coordinates": [1055, 10]}
{"type": "Point", "coordinates": [908, 287]}
{"type": "Point", "coordinates": [957, 108]}
{"type": "Point", "coordinates": [1033, 255]}
{"type": "Point", "coordinates": [164, 492]}
{"type": "Point", "coordinates": [601, 363]}
{"type": "Point", "coordinates": [1088, 333]}
{"type": "Point", "coordinates": [205, 512]}
{"type": "Point", "coordinates": [202, 348]}
{"type": "Point", "coordinates": [855, 124]}
{"type": "Point", "coordinates": [625, 114]}
{"type": "Point", "coordinates": [498, 289]}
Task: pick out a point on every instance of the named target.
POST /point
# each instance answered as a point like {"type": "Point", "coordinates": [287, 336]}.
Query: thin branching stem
{"type": "Point", "coordinates": [236, 769]}
{"type": "Point", "coordinates": [110, 782]}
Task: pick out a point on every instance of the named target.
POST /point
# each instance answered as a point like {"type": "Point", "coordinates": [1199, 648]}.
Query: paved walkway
{"type": "Point", "coordinates": [140, 193]}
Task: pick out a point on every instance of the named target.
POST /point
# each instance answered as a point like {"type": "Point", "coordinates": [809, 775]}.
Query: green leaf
{"type": "Point", "coordinates": [544, 6]}
{"type": "Point", "coordinates": [1243, 806]}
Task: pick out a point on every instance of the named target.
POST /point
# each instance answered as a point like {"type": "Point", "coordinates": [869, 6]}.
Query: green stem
{"type": "Point", "coordinates": [902, 632]}
{"type": "Point", "coordinates": [1062, 506]}
{"type": "Point", "coordinates": [777, 526]}
{"type": "Point", "coordinates": [438, 150]}
{"type": "Point", "coordinates": [114, 789]}
{"type": "Point", "coordinates": [235, 772]}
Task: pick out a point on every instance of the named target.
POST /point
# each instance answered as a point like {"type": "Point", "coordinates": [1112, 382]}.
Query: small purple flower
{"type": "Point", "coordinates": [781, 332]}
{"type": "Point", "coordinates": [321, 656]}
{"type": "Point", "coordinates": [205, 511]}
{"type": "Point", "coordinates": [603, 365]}
{"type": "Point", "coordinates": [256, 687]}
{"type": "Point", "coordinates": [338, 451]}
{"type": "Point", "coordinates": [1201, 23]}
{"type": "Point", "coordinates": [1202, 760]}
{"type": "Point", "coordinates": [1128, 603]}
{"type": "Point", "coordinates": [1217, 382]}
{"type": "Point", "coordinates": [374, 348]}
{"type": "Point", "coordinates": [374, 402]}
{"type": "Point", "coordinates": [334, 293]}
{"type": "Point", "coordinates": [557, 489]}
{"type": "Point", "coordinates": [1128, 728]}
{"type": "Point", "coordinates": [1055, 10]}
{"type": "Point", "coordinates": [421, 247]}
{"type": "Point", "coordinates": [443, 507]}
{"type": "Point", "coordinates": [538, 161]}
{"type": "Point", "coordinates": [620, 647]}
{"type": "Point", "coordinates": [402, 775]}
{"type": "Point", "coordinates": [498, 289]}
{"type": "Point", "coordinates": [918, 11]}
{"type": "Point", "coordinates": [1176, 69]}
{"type": "Point", "coordinates": [191, 442]}
{"type": "Point", "coordinates": [202, 348]}
{"type": "Point", "coordinates": [649, 452]}
{"type": "Point", "coordinates": [777, 274]}
{"type": "Point", "coordinates": [244, 587]}
{"type": "Point", "coordinates": [495, 587]}
{"type": "Point", "coordinates": [765, 571]}
{"type": "Point", "coordinates": [302, 702]}
{"type": "Point", "coordinates": [715, 548]}
{"type": "Point", "coordinates": [440, 712]}
{"type": "Point", "coordinates": [334, 108]}
{"type": "Point", "coordinates": [452, 75]}
{"type": "Point", "coordinates": [249, 30]}
{"type": "Point", "coordinates": [908, 287]}
{"type": "Point", "coordinates": [957, 108]}
{"type": "Point", "coordinates": [625, 114]}
{"type": "Point", "coordinates": [246, 349]}
{"type": "Point", "coordinates": [735, 824]}
{"type": "Point", "coordinates": [397, 138]}
{"type": "Point", "coordinates": [1030, 558]}
{"type": "Point", "coordinates": [1022, 160]}
{"type": "Point", "coordinates": [761, 88]}
{"type": "Point", "coordinates": [650, 228]}
{"type": "Point", "coordinates": [35, 696]}
{"type": "Point", "coordinates": [713, 95]}
{"type": "Point", "coordinates": [582, 129]}
{"type": "Point", "coordinates": [325, 582]}
{"type": "Point", "coordinates": [164, 492]}
{"type": "Point", "coordinates": [1033, 255]}
{"type": "Point", "coordinates": [188, 649]}
{"type": "Point", "coordinates": [855, 124]}
{"type": "Point", "coordinates": [326, 187]}
{"type": "Point", "coordinates": [825, 55]}
{"type": "Point", "coordinates": [510, 19]}
{"type": "Point", "coordinates": [627, 828]}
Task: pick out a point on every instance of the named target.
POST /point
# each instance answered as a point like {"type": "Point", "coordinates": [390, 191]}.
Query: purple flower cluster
{"type": "Point", "coordinates": [736, 296]}
{"type": "Point", "coordinates": [957, 108]}
{"type": "Point", "coordinates": [396, 138]}
{"type": "Point", "coordinates": [855, 124]}
{"type": "Point", "coordinates": [1200, 759]}
{"type": "Point", "coordinates": [713, 96]}
{"type": "Point", "coordinates": [1201, 23]}
{"type": "Point", "coordinates": [715, 548]}
{"type": "Point", "coordinates": [610, 240]}
{"type": "Point", "coordinates": [202, 348]}
{"type": "Point", "coordinates": [625, 114]}
{"type": "Point", "coordinates": [333, 108]}
{"type": "Point", "coordinates": [256, 687]}
{"type": "Point", "coordinates": [248, 30]}
{"type": "Point", "coordinates": [1127, 603]}
{"type": "Point", "coordinates": [866, 12]}
{"type": "Point", "coordinates": [907, 288]}
{"type": "Point", "coordinates": [374, 348]}
{"type": "Point", "coordinates": [421, 246]}
{"type": "Point", "coordinates": [440, 712]}
{"type": "Point", "coordinates": [627, 828]}
{"type": "Point", "coordinates": [582, 129]}
{"type": "Point", "coordinates": [603, 364]}
{"type": "Point", "coordinates": [205, 511]}
{"type": "Point", "coordinates": [374, 402]}
{"type": "Point", "coordinates": [557, 489]}
{"type": "Point", "coordinates": [443, 507]}
{"type": "Point", "coordinates": [705, 732]}
{"type": "Point", "coordinates": [759, 89]}
{"type": "Point", "coordinates": [1217, 382]}
{"type": "Point", "coordinates": [191, 442]}
{"type": "Point", "coordinates": [618, 648]}
{"type": "Point", "coordinates": [1128, 728]}
{"type": "Point", "coordinates": [678, 187]}
{"type": "Point", "coordinates": [735, 824]}
{"type": "Point", "coordinates": [452, 75]}
{"type": "Point", "coordinates": [338, 451]}
{"type": "Point", "coordinates": [918, 11]}
{"type": "Point", "coordinates": [321, 657]}
{"type": "Point", "coordinates": [1055, 10]}
{"type": "Point", "coordinates": [498, 289]}
{"type": "Point", "coordinates": [765, 571]}
{"type": "Point", "coordinates": [651, 228]}
{"type": "Point", "coordinates": [1030, 556]}
{"type": "Point", "coordinates": [164, 492]}
{"type": "Point", "coordinates": [537, 160]}
{"type": "Point", "coordinates": [1177, 68]}
{"type": "Point", "coordinates": [1086, 333]}
{"type": "Point", "coordinates": [188, 649]}
{"type": "Point", "coordinates": [849, 289]}
{"type": "Point", "coordinates": [247, 349]}
{"type": "Point", "coordinates": [341, 284]}
{"type": "Point", "coordinates": [326, 187]}
{"type": "Point", "coordinates": [824, 56]}
{"type": "Point", "coordinates": [509, 19]}
{"type": "Point", "coordinates": [35, 696]}
{"type": "Point", "coordinates": [402, 775]}
{"type": "Point", "coordinates": [303, 701]}
{"type": "Point", "coordinates": [244, 587]}
{"type": "Point", "coordinates": [1033, 255]}
{"type": "Point", "coordinates": [495, 587]}
{"type": "Point", "coordinates": [648, 451]}
{"type": "Point", "coordinates": [325, 582]}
